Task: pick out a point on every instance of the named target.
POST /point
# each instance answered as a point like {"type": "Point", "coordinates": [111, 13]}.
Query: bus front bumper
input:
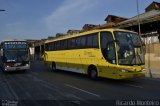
{"type": "Point", "coordinates": [131, 75]}
{"type": "Point", "coordinates": [17, 68]}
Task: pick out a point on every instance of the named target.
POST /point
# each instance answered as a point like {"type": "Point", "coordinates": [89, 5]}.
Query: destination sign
{"type": "Point", "coordinates": [15, 45]}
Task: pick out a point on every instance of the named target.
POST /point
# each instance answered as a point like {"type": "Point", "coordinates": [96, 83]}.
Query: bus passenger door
{"type": "Point", "coordinates": [108, 68]}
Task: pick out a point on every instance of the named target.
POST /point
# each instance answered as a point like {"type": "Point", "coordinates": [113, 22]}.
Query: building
{"type": "Point", "coordinates": [59, 34]}
{"type": "Point", "coordinates": [111, 21]}
{"type": "Point", "coordinates": [88, 27]}
{"type": "Point", "coordinates": [153, 6]}
{"type": "Point", "coordinates": [71, 32]}
{"type": "Point", "coordinates": [149, 23]}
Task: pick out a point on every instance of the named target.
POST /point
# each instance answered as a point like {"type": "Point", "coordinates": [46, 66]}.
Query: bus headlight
{"type": "Point", "coordinates": [143, 69]}
{"type": "Point", "coordinates": [124, 71]}
{"type": "Point", "coordinates": [7, 66]}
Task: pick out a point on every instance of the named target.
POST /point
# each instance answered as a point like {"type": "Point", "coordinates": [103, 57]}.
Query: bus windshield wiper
{"type": "Point", "coordinates": [139, 57]}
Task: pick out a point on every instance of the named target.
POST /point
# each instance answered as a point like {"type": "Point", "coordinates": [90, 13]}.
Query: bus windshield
{"type": "Point", "coordinates": [16, 55]}
{"type": "Point", "coordinates": [129, 48]}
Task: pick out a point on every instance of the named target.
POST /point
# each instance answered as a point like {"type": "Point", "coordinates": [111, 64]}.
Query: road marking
{"type": "Point", "coordinates": [82, 90]}
{"type": "Point", "coordinates": [11, 89]}
{"type": "Point", "coordinates": [154, 79]}
{"type": "Point", "coordinates": [137, 86]}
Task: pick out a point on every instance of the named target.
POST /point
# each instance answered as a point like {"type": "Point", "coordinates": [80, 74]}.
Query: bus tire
{"type": "Point", "coordinates": [92, 72]}
{"type": "Point", "coordinates": [53, 67]}
{"type": "Point", "coordinates": [25, 70]}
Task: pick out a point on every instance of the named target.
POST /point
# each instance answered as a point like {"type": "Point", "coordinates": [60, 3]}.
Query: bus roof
{"type": "Point", "coordinates": [86, 32]}
{"type": "Point", "coordinates": [14, 40]}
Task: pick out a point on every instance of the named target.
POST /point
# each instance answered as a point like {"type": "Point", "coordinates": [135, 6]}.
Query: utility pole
{"type": "Point", "coordinates": [139, 26]}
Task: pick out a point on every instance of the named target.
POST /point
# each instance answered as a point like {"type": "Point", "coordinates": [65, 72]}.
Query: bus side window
{"type": "Point", "coordinates": [73, 43]}
{"type": "Point", "coordinates": [65, 44]}
{"type": "Point", "coordinates": [49, 46]}
{"type": "Point", "coordinates": [55, 45]}
{"type": "Point", "coordinates": [83, 42]}
{"type": "Point", "coordinates": [52, 46]}
{"type": "Point", "coordinates": [92, 40]}
{"type": "Point", "coordinates": [107, 47]}
{"type": "Point", "coordinates": [78, 42]}
{"type": "Point", "coordinates": [95, 40]}
{"type": "Point", "coordinates": [62, 44]}
{"type": "Point", "coordinates": [70, 43]}
{"type": "Point", "coordinates": [89, 41]}
{"type": "Point", "coordinates": [58, 45]}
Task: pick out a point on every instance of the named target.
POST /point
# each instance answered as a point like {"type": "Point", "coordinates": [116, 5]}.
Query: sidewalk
{"type": "Point", "coordinates": [154, 73]}
{"type": "Point", "coordinates": [152, 65]}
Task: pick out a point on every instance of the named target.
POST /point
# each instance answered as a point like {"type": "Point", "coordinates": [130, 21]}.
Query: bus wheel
{"type": "Point", "coordinates": [53, 68]}
{"type": "Point", "coordinates": [93, 73]}
{"type": "Point", "coordinates": [24, 70]}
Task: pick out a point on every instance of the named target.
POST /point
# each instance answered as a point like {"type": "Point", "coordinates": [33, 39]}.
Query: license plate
{"type": "Point", "coordinates": [135, 75]}
{"type": "Point", "coordinates": [17, 68]}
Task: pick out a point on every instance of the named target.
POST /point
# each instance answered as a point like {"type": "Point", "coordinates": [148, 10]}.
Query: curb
{"type": "Point", "coordinates": [155, 73]}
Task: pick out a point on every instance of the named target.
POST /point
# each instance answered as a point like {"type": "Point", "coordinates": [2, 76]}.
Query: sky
{"type": "Point", "coordinates": [38, 19]}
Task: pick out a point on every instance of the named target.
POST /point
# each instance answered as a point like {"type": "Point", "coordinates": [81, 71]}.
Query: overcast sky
{"type": "Point", "coordinates": [38, 19]}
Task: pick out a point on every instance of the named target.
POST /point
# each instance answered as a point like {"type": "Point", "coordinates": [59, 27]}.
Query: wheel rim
{"type": "Point", "coordinates": [53, 68]}
{"type": "Point", "coordinates": [93, 73]}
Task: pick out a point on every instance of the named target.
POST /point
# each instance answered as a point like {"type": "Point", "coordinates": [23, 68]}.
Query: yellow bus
{"type": "Point", "coordinates": [109, 53]}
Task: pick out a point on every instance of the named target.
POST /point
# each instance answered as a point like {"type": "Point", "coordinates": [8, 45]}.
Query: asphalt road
{"type": "Point", "coordinates": [40, 87]}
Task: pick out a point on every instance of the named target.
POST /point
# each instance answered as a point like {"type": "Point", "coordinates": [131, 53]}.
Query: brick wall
{"type": "Point", "coordinates": [153, 48]}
